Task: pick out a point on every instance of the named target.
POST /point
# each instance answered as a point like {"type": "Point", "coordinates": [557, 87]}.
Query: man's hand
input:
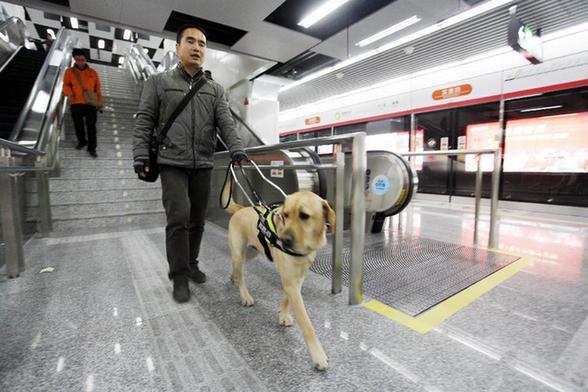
{"type": "Point", "coordinates": [239, 157]}
{"type": "Point", "coordinates": [141, 168]}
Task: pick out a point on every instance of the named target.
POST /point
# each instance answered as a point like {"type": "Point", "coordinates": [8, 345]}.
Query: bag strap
{"type": "Point", "coordinates": [193, 90]}
{"type": "Point", "coordinates": [73, 69]}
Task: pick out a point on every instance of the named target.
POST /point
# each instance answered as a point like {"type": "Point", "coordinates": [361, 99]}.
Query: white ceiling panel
{"type": "Point", "coordinates": [121, 47]}
{"type": "Point", "coordinates": [103, 9]}
{"type": "Point", "coordinates": [105, 56]}
{"type": "Point", "coordinates": [152, 42]}
{"type": "Point", "coordinates": [274, 42]}
{"type": "Point", "coordinates": [38, 17]}
{"type": "Point", "coordinates": [145, 14]}
{"type": "Point", "coordinates": [243, 14]}
{"type": "Point", "coordinates": [429, 12]}
{"type": "Point", "coordinates": [99, 33]}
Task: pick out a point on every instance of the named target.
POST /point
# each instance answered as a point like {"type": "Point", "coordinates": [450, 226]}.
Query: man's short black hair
{"type": "Point", "coordinates": [78, 52]}
{"type": "Point", "coordinates": [185, 27]}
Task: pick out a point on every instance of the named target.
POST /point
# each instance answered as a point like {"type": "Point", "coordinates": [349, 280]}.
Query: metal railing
{"type": "Point", "coordinates": [12, 37]}
{"type": "Point", "coordinates": [139, 63]}
{"type": "Point", "coordinates": [478, 187]}
{"type": "Point", "coordinates": [33, 147]}
{"type": "Point", "coordinates": [358, 202]}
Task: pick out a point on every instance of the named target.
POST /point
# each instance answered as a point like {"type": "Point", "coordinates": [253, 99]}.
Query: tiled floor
{"type": "Point", "coordinates": [104, 319]}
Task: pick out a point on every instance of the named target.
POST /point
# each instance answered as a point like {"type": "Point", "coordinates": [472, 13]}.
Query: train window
{"type": "Point", "coordinates": [546, 148]}
{"type": "Point", "coordinates": [436, 129]}
{"type": "Point", "coordinates": [288, 138]}
{"type": "Point", "coordinates": [391, 134]}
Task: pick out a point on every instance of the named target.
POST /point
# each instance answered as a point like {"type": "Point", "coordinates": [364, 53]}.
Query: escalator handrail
{"type": "Point", "coordinates": [8, 28]}
{"type": "Point", "coordinates": [144, 65]}
{"type": "Point", "coordinates": [253, 132]}
{"type": "Point", "coordinates": [62, 43]}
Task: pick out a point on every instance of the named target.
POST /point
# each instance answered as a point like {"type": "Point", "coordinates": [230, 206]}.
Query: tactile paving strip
{"type": "Point", "coordinates": [413, 274]}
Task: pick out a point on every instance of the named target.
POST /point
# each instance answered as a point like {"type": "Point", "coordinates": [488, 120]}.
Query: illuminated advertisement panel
{"type": "Point", "coordinates": [550, 144]}
{"type": "Point", "coordinates": [481, 136]}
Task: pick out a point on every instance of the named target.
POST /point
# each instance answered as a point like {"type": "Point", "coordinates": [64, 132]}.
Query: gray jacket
{"type": "Point", "coordinates": [191, 140]}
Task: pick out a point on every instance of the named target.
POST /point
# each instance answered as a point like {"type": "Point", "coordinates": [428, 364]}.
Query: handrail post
{"type": "Point", "coordinates": [494, 199]}
{"type": "Point", "coordinates": [478, 195]}
{"type": "Point", "coordinates": [359, 166]}
{"type": "Point", "coordinates": [337, 259]}
{"type": "Point", "coordinates": [45, 221]}
{"type": "Point", "coordinates": [11, 222]}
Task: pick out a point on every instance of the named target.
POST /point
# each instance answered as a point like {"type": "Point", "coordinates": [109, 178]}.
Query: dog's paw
{"type": "Point", "coordinates": [247, 300]}
{"type": "Point", "coordinates": [287, 320]}
{"type": "Point", "coordinates": [321, 362]}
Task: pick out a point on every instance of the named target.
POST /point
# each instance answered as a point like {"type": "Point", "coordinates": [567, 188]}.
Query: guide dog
{"type": "Point", "coordinates": [301, 224]}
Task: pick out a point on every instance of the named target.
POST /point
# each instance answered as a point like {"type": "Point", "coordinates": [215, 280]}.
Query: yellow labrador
{"type": "Point", "coordinates": [301, 224]}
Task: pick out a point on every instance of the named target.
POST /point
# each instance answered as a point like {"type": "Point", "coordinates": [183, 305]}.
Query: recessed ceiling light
{"type": "Point", "coordinates": [321, 12]}
{"type": "Point", "coordinates": [390, 30]}
{"type": "Point", "coordinates": [101, 44]}
{"type": "Point", "coordinates": [127, 34]}
{"type": "Point", "coordinates": [74, 23]}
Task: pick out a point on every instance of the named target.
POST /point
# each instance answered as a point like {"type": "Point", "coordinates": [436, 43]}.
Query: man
{"type": "Point", "coordinates": [80, 84]}
{"type": "Point", "coordinates": [208, 75]}
{"type": "Point", "coordinates": [186, 154]}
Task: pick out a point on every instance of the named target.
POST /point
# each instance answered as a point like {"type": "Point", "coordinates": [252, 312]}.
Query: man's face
{"type": "Point", "coordinates": [192, 48]}
{"type": "Point", "coordinates": [80, 61]}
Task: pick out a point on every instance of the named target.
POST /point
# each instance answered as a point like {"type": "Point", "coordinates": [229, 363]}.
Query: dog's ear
{"type": "Point", "coordinates": [329, 215]}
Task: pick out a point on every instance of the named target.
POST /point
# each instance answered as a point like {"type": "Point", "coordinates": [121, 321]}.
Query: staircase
{"type": "Point", "coordinates": [103, 192]}
{"type": "Point", "coordinates": [17, 80]}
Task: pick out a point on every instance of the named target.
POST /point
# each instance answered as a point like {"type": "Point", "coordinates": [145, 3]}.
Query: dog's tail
{"type": "Point", "coordinates": [231, 205]}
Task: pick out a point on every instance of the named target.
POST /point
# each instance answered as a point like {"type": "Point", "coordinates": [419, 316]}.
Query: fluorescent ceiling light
{"type": "Point", "coordinates": [472, 12]}
{"type": "Point", "coordinates": [74, 23]}
{"type": "Point", "coordinates": [121, 60]}
{"type": "Point", "coordinates": [321, 12]}
{"type": "Point", "coordinates": [101, 44]}
{"type": "Point", "coordinates": [127, 34]}
{"type": "Point", "coordinates": [541, 108]}
{"type": "Point", "coordinates": [145, 50]}
{"type": "Point", "coordinates": [390, 30]}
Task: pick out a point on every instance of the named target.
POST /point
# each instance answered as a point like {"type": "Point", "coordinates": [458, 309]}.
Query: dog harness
{"type": "Point", "coordinates": [268, 236]}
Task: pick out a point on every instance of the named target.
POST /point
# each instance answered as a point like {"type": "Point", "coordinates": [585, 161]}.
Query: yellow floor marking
{"type": "Point", "coordinates": [428, 320]}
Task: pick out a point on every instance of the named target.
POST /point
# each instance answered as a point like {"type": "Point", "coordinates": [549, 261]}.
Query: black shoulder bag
{"type": "Point", "coordinates": [157, 140]}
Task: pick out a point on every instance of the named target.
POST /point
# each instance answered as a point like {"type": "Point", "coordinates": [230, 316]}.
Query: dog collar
{"type": "Point", "coordinates": [268, 236]}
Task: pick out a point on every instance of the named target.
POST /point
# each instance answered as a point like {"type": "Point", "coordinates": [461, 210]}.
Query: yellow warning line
{"type": "Point", "coordinates": [428, 320]}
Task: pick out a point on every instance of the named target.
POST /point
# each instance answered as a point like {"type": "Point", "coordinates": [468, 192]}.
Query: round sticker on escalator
{"type": "Point", "coordinates": [380, 185]}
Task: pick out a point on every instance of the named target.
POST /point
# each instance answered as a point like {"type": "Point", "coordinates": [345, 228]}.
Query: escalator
{"type": "Point", "coordinates": [17, 80]}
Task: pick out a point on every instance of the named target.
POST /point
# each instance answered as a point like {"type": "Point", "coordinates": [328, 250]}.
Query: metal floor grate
{"type": "Point", "coordinates": [413, 274]}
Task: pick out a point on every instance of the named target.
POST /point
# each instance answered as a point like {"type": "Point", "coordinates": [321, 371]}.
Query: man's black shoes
{"type": "Point", "coordinates": [196, 275]}
{"type": "Point", "coordinates": [80, 146]}
{"type": "Point", "coordinates": [181, 289]}
{"type": "Point", "coordinates": [93, 154]}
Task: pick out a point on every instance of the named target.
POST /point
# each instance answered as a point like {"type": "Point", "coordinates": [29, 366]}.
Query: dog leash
{"type": "Point", "coordinates": [265, 224]}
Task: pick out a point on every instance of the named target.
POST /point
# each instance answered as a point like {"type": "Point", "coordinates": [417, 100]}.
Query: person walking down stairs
{"type": "Point", "coordinates": [81, 84]}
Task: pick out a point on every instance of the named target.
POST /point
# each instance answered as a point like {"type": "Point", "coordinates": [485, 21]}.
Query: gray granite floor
{"type": "Point", "coordinates": [104, 320]}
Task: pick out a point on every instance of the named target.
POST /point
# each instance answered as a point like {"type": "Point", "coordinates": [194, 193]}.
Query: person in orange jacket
{"type": "Point", "coordinates": [81, 85]}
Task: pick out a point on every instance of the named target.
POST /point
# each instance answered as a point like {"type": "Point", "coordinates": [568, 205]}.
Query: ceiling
{"type": "Point", "coordinates": [267, 30]}
{"type": "Point", "coordinates": [262, 28]}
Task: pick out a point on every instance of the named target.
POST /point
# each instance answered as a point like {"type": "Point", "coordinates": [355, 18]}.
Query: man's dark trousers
{"type": "Point", "coordinates": [79, 112]}
{"type": "Point", "coordinates": [185, 197]}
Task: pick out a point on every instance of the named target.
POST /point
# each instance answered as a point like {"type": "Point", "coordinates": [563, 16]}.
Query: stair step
{"type": "Point", "coordinates": [143, 220]}
{"type": "Point", "coordinates": [96, 184]}
{"type": "Point", "coordinates": [94, 196]}
{"type": "Point", "coordinates": [76, 211]}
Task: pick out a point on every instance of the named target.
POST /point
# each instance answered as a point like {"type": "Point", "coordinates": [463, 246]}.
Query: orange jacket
{"type": "Point", "coordinates": [72, 88]}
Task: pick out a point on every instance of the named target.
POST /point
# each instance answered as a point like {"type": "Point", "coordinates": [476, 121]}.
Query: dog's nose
{"type": "Point", "coordinates": [288, 240]}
